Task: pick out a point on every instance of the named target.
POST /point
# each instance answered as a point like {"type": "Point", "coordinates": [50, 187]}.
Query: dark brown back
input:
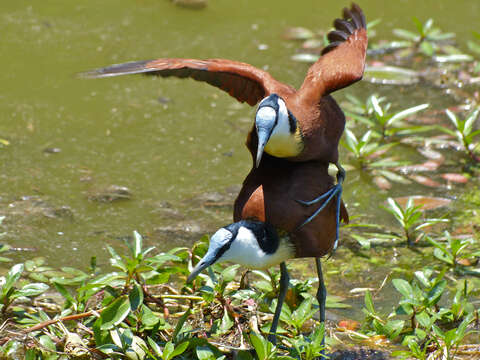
{"type": "Point", "coordinates": [269, 193]}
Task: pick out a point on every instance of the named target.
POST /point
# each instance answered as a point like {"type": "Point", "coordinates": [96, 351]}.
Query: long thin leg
{"type": "Point", "coordinates": [321, 297]}
{"type": "Point", "coordinates": [322, 290]}
{"type": "Point", "coordinates": [336, 191]}
{"type": "Point", "coordinates": [284, 280]}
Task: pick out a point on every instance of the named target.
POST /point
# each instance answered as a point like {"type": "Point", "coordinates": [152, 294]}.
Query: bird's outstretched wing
{"type": "Point", "coordinates": [343, 61]}
{"type": "Point", "coordinates": [244, 82]}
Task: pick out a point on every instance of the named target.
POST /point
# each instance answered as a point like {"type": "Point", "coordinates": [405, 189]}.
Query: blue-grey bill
{"type": "Point", "coordinates": [203, 264]}
{"type": "Point", "coordinates": [259, 154]}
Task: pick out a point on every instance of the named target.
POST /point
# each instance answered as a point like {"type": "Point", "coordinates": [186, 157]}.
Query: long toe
{"type": "Point", "coordinates": [327, 194]}
{"type": "Point", "coordinates": [337, 190]}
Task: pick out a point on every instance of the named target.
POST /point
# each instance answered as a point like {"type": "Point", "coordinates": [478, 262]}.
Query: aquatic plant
{"type": "Point", "coordinates": [427, 38]}
{"type": "Point", "coordinates": [428, 319]}
{"type": "Point", "coordinates": [383, 122]}
{"type": "Point", "coordinates": [364, 148]}
{"type": "Point", "coordinates": [452, 250]}
{"type": "Point", "coordinates": [409, 218]}
{"type": "Point", "coordinates": [464, 132]}
{"type": "Point", "coordinates": [9, 291]}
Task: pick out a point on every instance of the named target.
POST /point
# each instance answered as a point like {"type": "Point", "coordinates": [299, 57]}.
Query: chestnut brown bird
{"type": "Point", "coordinates": [299, 125]}
{"type": "Point", "coordinates": [268, 228]}
{"type": "Point", "coordinates": [294, 138]}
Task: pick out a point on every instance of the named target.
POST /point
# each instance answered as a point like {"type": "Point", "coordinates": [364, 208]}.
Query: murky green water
{"type": "Point", "coordinates": [176, 144]}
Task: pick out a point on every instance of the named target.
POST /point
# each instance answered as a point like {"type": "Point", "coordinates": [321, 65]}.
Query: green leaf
{"type": "Point", "coordinates": [116, 260]}
{"type": "Point", "coordinates": [258, 343]}
{"type": "Point", "coordinates": [427, 26]}
{"type": "Point", "coordinates": [453, 58]}
{"type": "Point", "coordinates": [160, 259]}
{"type": "Point", "coordinates": [226, 323]}
{"type": "Point", "coordinates": [158, 351]}
{"type": "Point", "coordinates": [335, 302]}
{"type": "Point", "coordinates": [376, 107]}
{"type": "Point", "coordinates": [47, 342]}
{"type": "Point", "coordinates": [30, 354]}
{"type": "Point", "coordinates": [135, 297]}
{"type": "Point", "coordinates": [363, 119]}
{"type": "Point", "coordinates": [403, 287]}
{"type": "Point", "coordinates": [168, 351]}
{"type": "Point", "coordinates": [351, 141]}
{"type": "Point", "coordinates": [33, 289]}
{"type": "Point", "coordinates": [394, 328]}
{"type": "Point", "coordinates": [204, 353]}
{"type": "Point", "coordinates": [470, 121]}
{"type": "Point", "coordinates": [390, 175]}
{"type": "Point", "coordinates": [117, 338]}
{"type": "Point", "coordinates": [405, 113]}
{"type": "Point", "coordinates": [180, 323]}
{"type": "Point", "coordinates": [449, 337]}
{"type": "Point", "coordinates": [396, 210]}
{"type": "Point", "coordinates": [475, 47]}
{"type": "Point", "coordinates": [115, 313]}
{"type": "Point", "coordinates": [405, 34]}
{"type": "Point", "coordinates": [109, 349]}
{"type": "Point", "coordinates": [303, 312]}
{"type": "Point", "coordinates": [179, 349]}
{"type": "Point", "coordinates": [64, 292]}
{"type": "Point", "coordinates": [452, 118]}
{"type": "Point", "coordinates": [423, 277]}
{"type": "Point", "coordinates": [462, 328]}
{"type": "Point", "coordinates": [148, 318]}
{"type": "Point", "coordinates": [12, 277]}
{"type": "Point", "coordinates": [136, 351]}
{"type": "Point", "coordinates": [137, 244]}
{"type": "Point", "coordinates": [229, 273]}
{"type": "Point", "coordinates": [438, 332]}
{"type": "Point", "coordinates": [424, 320]}
{"type": "Point", "coordinates": [437, 291]}
{"type": "Point", "coordinates": [443, 256]}
{"type": "Point", "coordinates": [369, 302]}
{"type": "Point", "coordinates": [427, 48]}
{"type": "Point", "coordinates": [392, 75]}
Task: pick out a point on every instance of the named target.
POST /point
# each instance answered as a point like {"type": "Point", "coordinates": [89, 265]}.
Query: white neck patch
{"type": "Point", "coordinates": [282, 142]}
{"type": "Point", "coordinates": [283, 125]}
{"type": "Point", "coordinates": [245, 250]}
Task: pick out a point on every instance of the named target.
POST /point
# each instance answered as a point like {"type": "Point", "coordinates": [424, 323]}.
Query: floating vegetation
{"type": "Point", "coordinates": [391, 75]}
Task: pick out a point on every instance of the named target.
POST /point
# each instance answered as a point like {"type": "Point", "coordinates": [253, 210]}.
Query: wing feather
{"type": "Point", "coordinates": [244, 82]}
{"type": "Point", "coordinates": [343, 60]}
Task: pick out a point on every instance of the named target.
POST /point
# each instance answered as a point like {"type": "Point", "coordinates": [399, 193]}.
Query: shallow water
{"type": "Point", "coordinates": [177, 145]}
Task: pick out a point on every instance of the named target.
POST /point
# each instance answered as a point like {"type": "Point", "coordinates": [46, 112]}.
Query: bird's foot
{"type": "Point", "coordinates": [334, 192]}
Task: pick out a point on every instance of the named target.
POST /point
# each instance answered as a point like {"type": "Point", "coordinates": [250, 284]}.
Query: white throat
{"type": "Point", "coordinates": [282, 142]}
{"type": "Point", "coordinates": [246, 251]}
{"type": "Point", "coordinates": [283, 125]}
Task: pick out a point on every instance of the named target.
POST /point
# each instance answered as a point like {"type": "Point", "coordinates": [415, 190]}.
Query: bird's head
{"type": "Point", "coordinates": [245, 242]}
{"type": "Point", "coordinates": [220, 243]}
{"type": "Point", "coordinates": [273, 122]}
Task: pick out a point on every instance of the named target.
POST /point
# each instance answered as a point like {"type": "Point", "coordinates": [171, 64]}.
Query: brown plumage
{"type": "Point", "coordinates": [270, 192]}
{"type": "Point", "coordinates": [310, 124]}
{"type": "Point", "coordinates": [320, 119]}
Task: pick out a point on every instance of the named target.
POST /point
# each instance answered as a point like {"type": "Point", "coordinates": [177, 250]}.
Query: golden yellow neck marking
{"type": "Point", "coordinates": [285, 145]}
